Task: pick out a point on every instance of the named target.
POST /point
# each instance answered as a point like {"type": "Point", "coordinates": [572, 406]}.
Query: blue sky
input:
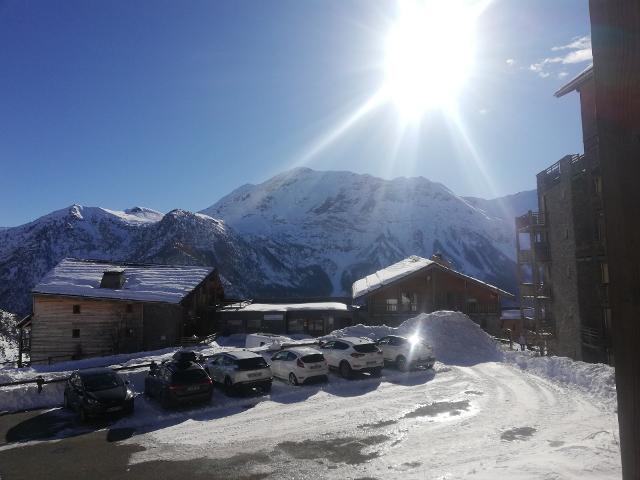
{"type": "Point", "coordinates": [170, 104]}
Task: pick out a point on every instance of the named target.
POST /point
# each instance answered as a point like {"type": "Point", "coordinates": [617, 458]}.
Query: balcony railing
{"type": "Point", "coordinates": [541, 290]}
{"type": "Point", "coordinates": [594, 336]}
{"type": "Point", "coordinates": [541, 250]}
{"type": "Point", "coordinates": [531, 219]}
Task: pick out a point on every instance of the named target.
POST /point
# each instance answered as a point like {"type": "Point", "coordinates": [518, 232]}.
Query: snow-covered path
{"type": "Point", "coordinates": [490, 420]}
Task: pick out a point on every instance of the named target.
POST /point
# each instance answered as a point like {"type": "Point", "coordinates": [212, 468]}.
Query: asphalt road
{"type": "Point", "coordinates": [95, 452]}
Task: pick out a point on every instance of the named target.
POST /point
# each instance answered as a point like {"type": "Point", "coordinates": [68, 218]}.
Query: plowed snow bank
{"type": "Point", "coordinates": [455, 338]}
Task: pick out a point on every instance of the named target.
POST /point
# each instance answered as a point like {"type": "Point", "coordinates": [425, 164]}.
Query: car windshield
{"type": "Point", "coordinates": [366, 348]}
{"type": "Point", "coordinates": [189, 376]}
{"type": "Point", "coordinates": [313, 358]}
{"type": "Point", "coordinates": [101, 381]}
{"type": "Point", "coordinates": [251, 363]}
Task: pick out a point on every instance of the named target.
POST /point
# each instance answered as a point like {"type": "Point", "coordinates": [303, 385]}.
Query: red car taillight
{"type": "Point", "coordinates": [300, 363]}
{"type": "Point", "coordinates": [206, 381]}
{"type": "Point", "coordinates": [379, 352]}
{"type": "Point", "coordinates": [173, 388]}
{"type": "Point", "coordinates": [357, 355]}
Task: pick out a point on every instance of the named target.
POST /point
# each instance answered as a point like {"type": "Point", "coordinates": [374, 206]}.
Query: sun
{"type": "Point", "coordinates": [429, 54]}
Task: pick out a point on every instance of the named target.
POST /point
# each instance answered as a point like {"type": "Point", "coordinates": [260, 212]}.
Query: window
{"type": "Point", "coordinates": [340, 346]}
{"type": "Point", "coordinates": [76, 309]}
{"type": "Point", "coordinates": [604, 272]}
{"type": "Point", "coordinates": [129, 308]}
{"type": "Point", "coordinates": [254, 323]}
{"type": "Point", "coordinates": [597, 183]}
{"type": "Point", "coordinates": [75, 333]}
{"type": "Point", "coordinates": [392, 304]}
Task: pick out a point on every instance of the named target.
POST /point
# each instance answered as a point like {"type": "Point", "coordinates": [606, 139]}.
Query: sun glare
{"type": "Point", "coordinates": [429, 54]}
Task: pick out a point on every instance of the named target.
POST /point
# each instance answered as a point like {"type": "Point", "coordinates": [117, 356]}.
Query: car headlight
{"type": "Point", "coordinates": [129, 395]}
{"type": "Point", "coordinates": [92, 401]}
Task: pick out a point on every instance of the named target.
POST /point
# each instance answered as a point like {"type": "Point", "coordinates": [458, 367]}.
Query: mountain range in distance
{"type": "Point", "coordinates": [302, 233]}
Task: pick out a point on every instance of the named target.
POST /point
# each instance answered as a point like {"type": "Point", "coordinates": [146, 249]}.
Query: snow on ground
{"type": "Point", "coordinates": [482, 413]}
{"type": "Point", "coordinates": [8, 337]}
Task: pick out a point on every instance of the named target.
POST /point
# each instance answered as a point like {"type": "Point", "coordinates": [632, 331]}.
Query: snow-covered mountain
{"type": "Point", "coordinates": [301, 233]}
{"type": "Point", "coordinates": [29, 251]}
{"type": "Point", "coordinates": [507, 207]}
{"type": "Point", "coordinates": [350, 225]}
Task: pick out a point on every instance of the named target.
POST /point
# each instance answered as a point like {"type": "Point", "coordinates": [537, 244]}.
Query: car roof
{"type": "Point", "coordinates": [355, 340]}
{"type": "Point", "coordinates": [175, 365]}
{"type": "Point", "coordinates": [301, 350]}
{"type": "Point", "coordinates": [94, 371]}
{"type": "Point", "coordinates": [240, 354]}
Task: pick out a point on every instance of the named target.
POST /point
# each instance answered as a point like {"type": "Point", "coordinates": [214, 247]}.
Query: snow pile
{"type": "Point", "coordinates": [454, 337]}
{"type": "Point", "coordinates": [595, 378]}
{"type": "Point", "coordinates": [8, 337]}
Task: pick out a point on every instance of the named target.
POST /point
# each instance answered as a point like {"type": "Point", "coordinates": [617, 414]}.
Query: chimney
{"type": "Point", "coordinates": [439, 259]}
{"type": "Point", "coordinates": [113, 279]}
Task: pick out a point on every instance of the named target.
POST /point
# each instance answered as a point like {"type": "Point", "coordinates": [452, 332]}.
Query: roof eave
{"type": "Point", "coordinates": [576, 83]}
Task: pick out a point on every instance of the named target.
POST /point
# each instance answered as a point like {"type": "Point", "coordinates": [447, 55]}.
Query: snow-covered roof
{"type": "Point", "coordinates": [576, 82]}
{"type": "Point", "coordinates": [404, 268]}
{"type": "Point", "coordinates": [285, 307]}
{"type": "Point", "coordinates": [145, 283]}
{"type": "Point", "coordinates": [390, 274]}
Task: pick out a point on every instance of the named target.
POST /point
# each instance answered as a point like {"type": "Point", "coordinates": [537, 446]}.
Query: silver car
{"type": "Point", "coordinates": [240, 370]}
{"type": "Point", "coordinates": [406, 353]}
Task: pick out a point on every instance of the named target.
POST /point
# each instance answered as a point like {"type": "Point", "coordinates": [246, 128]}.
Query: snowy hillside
{"type": "Point", "coordinates": [301, 233]}
{"type": "Point", "coordinates": [351, 225]}
{"type": "Point", "coordinates": [29, 251]}
{"type": "Point", "coordinates": [507, 207]}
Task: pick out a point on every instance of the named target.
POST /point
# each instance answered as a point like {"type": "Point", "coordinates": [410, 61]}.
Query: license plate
{"type": "Point", "coordinates": [371, 363]}
{"type": "Point", "coordinates": [254, 375]}
{"type": "Point", "coordinates": [193, 388]}
{"type": "Point", "coordinates": [313, 367]}
{"type": "Point", "coordinates": [114, 409]}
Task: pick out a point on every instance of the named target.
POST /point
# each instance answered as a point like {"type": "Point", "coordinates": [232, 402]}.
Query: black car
{"type": "Point", "coordinates": [97, 391]}
{"type": "Point", "coordinates": [177, 382]}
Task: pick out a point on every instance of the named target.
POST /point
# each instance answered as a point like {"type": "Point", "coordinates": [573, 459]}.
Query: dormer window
{"type": "Point", "coordinates": [113, 279]}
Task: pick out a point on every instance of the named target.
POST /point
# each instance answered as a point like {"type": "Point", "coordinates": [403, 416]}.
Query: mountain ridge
{"type": "Point", "coordinates": [300, 233]}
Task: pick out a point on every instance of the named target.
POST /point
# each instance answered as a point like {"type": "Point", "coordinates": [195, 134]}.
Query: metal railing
{"type": "Point", "coordinates": [540, 290]}
{"type": "Point", "coordinates": [530, 219]}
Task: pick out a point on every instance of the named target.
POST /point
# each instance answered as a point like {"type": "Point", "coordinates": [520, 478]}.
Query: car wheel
{"type": "Point", "coordinates": [267, 388]}
{"type": "Point", "coordinates": [165, 401]}
{"type": "Point", "coordinates": [376, 372]}
{"type": "Point", "coordinates": [345, 369]}
{"type": "Point", "coordinates": [83, 415]}
{"type": "Point", "coordinates": [292, 379]}
{"type": "Point", "coordinates": [401, 363]}
{"type": "Point", "coordinates": [228, 386]}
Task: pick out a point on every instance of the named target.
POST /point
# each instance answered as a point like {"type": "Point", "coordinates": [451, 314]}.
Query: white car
{"type": "Point", "coordinates": [405, 352]}
{"type": "Point", "coordinates": [299, 364]}
{"type": "Point", "coordinates": [349, 354]}
{"type": "Point", "coordinates": [240, 370]}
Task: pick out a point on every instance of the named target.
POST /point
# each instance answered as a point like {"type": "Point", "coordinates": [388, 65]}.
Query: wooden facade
{"type": "Point", "coordinates": [65, 327]}
{"type": "Point", "coordinates": [430, 289]}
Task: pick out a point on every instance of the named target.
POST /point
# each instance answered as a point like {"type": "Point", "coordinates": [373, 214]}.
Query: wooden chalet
{"type": "Point", "coordinates": [419, 285]}
{"type": "Point", "coordinates": [85, 308]}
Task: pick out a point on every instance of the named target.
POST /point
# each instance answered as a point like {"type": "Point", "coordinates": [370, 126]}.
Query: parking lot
{"type": "Point", "coordinates": [485, 421]}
